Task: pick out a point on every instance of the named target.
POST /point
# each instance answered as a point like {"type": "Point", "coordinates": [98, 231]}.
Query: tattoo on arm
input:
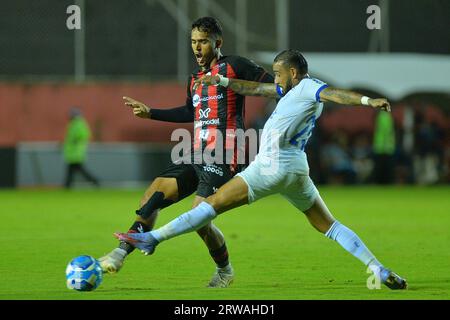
{"type": "Point", "coordinates": [250, 88]}
{"type": "Point", "coordinates": [340, 96]}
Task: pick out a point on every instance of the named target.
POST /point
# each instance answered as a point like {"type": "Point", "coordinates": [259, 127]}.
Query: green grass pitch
{"type": "Point", "coordinates": [275, 252]}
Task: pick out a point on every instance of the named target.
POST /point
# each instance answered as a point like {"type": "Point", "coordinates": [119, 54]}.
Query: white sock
{"type": "Point", "coordinates": [119, 253]}
{"type": "Point", "coordinates": [187, 222]}
{"type": "Point", "coordinates": [353, 244]}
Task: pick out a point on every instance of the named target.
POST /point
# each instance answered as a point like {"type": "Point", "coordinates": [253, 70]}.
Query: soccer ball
{"type": "Point", "coordinates": [83, 273]}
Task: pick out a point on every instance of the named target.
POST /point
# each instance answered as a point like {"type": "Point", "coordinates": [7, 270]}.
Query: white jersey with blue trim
{"type": "Point", "coordinates": [288, 129]}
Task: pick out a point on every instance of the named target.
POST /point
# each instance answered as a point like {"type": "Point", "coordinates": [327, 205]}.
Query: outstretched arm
{"type": "Point", "coordinates": [348, 97]}
{"type": "Point", "coordinates": [250, 88]}
{"type": "Point", "coordinates": [243, 87]}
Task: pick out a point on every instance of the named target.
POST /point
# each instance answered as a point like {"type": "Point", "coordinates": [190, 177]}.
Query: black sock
{"type": "Point", "coordinates": [220, 256]}
{"type": "Point", "coordinates": [137, 227]}
{"type": "Point", "coordinates": [155, 202]}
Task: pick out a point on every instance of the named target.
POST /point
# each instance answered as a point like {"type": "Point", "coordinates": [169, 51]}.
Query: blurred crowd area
{"type": "Point", "coordinates": [47, 68]}
{"type": "Point", "coordinates": [352, 145]}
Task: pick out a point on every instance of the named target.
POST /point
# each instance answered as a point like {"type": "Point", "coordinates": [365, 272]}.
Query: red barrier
{"type": "Point", "coordinates": [39, 112]}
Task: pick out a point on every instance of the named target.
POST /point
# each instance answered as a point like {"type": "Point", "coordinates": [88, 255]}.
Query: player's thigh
{"type": "Point", "coordinates": [261, 182]}
{"type": "Point", "coordinates": [214, 177]}
{"type": "Point", "coordinates": [168, 186]}
{"type": "Point", "coordinates": [231, 195]}
{"type": "Point", "coordinates": [300, 191]}
{"type": "Point", "coordinates": [197, 201]}
{"type": "Point", "coordinates": [303, 194]}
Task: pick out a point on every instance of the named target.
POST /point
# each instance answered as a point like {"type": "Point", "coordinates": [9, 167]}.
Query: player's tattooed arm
{"type": "Point", "coordinates": [243, 87]}
{"type": "Point", "coordinates": [348, 97]}
{"type": "Point", "coordinates": [250, 88]}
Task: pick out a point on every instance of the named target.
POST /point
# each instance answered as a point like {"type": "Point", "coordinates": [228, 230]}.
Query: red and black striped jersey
{"type": "Point", "coordinates": [219, 109]}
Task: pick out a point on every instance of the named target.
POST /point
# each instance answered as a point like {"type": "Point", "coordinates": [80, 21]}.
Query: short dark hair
{"type": "Point", "coordinates": [293, 58]}
{"type": "Point", "coordinates": [209, 25]}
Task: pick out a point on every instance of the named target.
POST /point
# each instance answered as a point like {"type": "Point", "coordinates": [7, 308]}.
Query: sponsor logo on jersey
{"type": "Point", "coordinates": [196, 99]}
{"type": "Point", "coordinates": [202, 123]}
{"type": "Point", "coordinates": [203, 114]}
{"type": "Point", "coordinates": [213, 169]}
{"type": "Point", "coordinates": [217, 66]}
{"type": "Point", "coordinates": [204, 134]}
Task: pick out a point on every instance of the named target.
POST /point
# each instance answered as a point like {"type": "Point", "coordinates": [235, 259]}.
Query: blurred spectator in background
{"type": "Point", "coordinates": [75, 147]}
{"type": "Point", "coordinates": [383, 148]}
{"type": "Point", "coordinates": [258, 124]}
{"type": "Point", "coordinates": [336, 160]}
{"type": "Point", "coordinates": [361, 153]}
{"type": "Point", "coordinates": [429, 155]}
{"type": "Point", "coordinates": [263, 116]}
{"type": "Point", "coordinates": [413, 149]}
{"type": "Point", "coordinates": [404, 172]}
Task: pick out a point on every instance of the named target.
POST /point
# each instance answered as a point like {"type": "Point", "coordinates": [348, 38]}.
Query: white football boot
{"type": "Point", "coordinates": [222, 278]}
{"type": "Point", "coordinates": [113, 261]}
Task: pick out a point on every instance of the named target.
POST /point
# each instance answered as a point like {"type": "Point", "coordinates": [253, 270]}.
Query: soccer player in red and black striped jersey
{"type": "Point", "coordinates": [215, 111]}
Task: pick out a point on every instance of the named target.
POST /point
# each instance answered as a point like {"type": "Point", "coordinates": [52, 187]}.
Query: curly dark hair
{"type": "Point", "coordinates": [209, 25]}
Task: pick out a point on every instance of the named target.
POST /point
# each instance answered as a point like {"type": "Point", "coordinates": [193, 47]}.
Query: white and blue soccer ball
{"type": "Point", "coordinates": [83, 273]}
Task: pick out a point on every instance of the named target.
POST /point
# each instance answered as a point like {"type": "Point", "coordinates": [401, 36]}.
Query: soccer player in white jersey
{"type": "Point", "coordinates": [281, 165]}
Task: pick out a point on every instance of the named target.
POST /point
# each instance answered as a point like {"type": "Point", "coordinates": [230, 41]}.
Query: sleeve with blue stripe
{"type": "Point", "coordinates": [318, 92]}
{"type": "Point", "coordinates": [312, 88]}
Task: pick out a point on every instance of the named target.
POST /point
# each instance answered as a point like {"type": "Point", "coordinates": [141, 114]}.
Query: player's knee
{"type": "Point", "coordinates": [158, 182]}
{"type": "Point", "coordinates": [143, 201]}
{"type": "Point", "coordinates": [168, 186]}
{"type": "Point", "coordinates": [217, 201]}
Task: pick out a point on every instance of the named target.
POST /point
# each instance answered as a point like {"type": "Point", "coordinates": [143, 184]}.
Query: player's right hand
{"type": "Point", "coordinates": [139, 109]}
{"type": "Point", "coordinates": [380, 103]}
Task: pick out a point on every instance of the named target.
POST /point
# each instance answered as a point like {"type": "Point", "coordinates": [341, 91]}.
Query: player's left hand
{"type": "Point", "coordinates": [207, 80]}
{"type": "Point", "coordinates": [382, 104]}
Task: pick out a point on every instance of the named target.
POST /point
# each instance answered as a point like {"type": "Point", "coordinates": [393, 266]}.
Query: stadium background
{"type": "Point", "coordinates": [141, 48]}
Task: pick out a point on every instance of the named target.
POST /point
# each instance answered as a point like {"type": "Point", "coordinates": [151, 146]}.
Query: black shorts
{"type": "Point", "coordinates": [205, 179]}
{"type": "Point", "coordinates": [186, 176]}
{"type": "Point", "coordinates": [211, 177]}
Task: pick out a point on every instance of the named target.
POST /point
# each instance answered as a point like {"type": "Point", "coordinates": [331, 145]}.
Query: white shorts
{"type": "Point", "coordinates": [298, 189]}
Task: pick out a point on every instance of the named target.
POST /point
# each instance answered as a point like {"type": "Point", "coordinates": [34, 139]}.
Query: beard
{"type": "Point", "coordinates": [288, 86]}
